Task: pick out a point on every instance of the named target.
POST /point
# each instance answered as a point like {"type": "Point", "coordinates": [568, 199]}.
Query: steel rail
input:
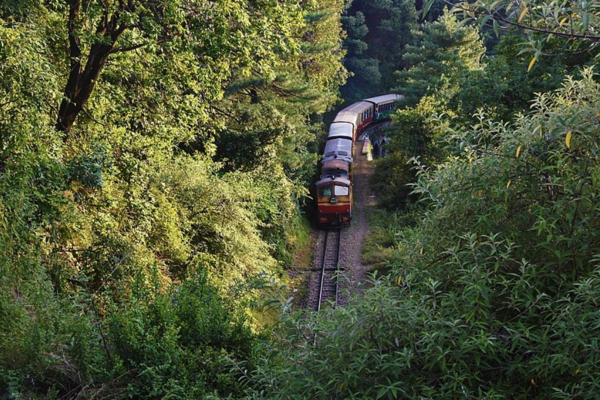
{"type": "Point", "coordinates": [325, 269]}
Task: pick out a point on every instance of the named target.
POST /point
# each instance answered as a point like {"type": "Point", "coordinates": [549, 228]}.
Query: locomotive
{"type": "Point", "coordinates": [334, 187]}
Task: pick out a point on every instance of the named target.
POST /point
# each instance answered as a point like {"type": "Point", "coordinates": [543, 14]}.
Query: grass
{"type": "Point", "coordinates": [381, 241]}
{"type": "Point", "coordinates": [299, 271]}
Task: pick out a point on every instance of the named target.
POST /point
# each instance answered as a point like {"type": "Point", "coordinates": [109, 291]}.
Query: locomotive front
{"type": "Point", "coordinates": [334, 198]}
{"type": "Point", "coordinates": [334, 193]}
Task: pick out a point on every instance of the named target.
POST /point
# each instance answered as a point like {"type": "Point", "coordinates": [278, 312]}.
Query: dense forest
{"type": "Point", "coordinates": [154, 156]}
{"type": "Point", "coordinates": [156, 160]}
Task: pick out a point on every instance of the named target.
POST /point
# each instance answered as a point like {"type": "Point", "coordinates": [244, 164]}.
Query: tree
{"type": "Point", "coordinates": [377, 34]}
{"type": "Point", "coordinates": [545, 26]}
{"type": "Point", "coordinates": [218, 32]}
{"type": "Point", "coordinates": [124, 213]}
{"type": "Point", "coordinates": [445, 49]}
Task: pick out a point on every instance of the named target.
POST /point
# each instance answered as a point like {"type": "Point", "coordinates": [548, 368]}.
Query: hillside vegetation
{"type": "Point", "coordinates": [492, 229]}
{"type": "Point", "coordinates": [155, 158]}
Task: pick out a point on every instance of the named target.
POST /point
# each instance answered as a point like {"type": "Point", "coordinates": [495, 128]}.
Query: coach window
{"type": "Point", "coordinates": [325, 191]}
{"type": "Point", "coordinates": [341, 190]}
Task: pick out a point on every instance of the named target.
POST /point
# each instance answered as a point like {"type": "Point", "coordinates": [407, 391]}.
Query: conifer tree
{"type": "Point", "coordinates": [377, 31]}
{"type": "Point", "coordinates": [445, 49]}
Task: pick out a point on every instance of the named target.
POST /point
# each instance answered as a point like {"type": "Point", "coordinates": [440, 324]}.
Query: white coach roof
{"type": "Point", "coordinates": [386, 98]}
{"type": "Point", "coordinates": [351, 113]}
{"type": "Point", "coordinates": [341, 129]}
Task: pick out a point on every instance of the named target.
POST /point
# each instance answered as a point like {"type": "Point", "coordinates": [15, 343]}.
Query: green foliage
{"type": "Point", "coordinates": [134, 222]}
{"type": "Point", "coordinates": [542, 187]}
{"type": "Point", "coordinates": [416, 133]}
{"type": "Point", "coordinates": [87, 169]}
{"type": "Point", "coordinates": [442, 62]}
{"type": "Point", "coordinates": [181, 343]}
{"type": "Point", "coordinates": [494, 290]}
{"type": "Point", "coordinates": [464, 89]}
{"type": "Point", "coordinates": [504, 87]}
{"type": "Point", "coordinates": [444, 49]}
{"type": "Point", "coordinates": [377, 31]}
{"type": "Point", "coordinates": [550, 27]}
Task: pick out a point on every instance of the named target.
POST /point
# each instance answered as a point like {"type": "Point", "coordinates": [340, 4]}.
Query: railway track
{"type": "Point", "coordinates": [328, 284]}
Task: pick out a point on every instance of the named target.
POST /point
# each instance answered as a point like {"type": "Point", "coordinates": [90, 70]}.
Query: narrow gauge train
{"type": "Point", "coordinates": [334, 188]}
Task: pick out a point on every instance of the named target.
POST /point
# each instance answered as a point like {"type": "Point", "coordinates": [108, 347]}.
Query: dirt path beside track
{"type": "Point", "coordinates": [354, 236]}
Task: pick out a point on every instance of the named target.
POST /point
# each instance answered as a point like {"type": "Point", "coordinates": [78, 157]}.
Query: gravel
{"type": "Point", "coordinates": [352, 237]}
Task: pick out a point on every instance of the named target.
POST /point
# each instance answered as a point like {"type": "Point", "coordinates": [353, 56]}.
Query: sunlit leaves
{"type": "Point", "coordinates": [570, 25]}
{"type": "Point", "coordinates": [531, 63]}
{"type": "Point", "coordinates": [522, 14]}
{"type": "Point", "coordinates": [102, 230]}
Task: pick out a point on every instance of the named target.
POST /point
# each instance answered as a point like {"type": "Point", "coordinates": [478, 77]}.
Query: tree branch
{"type": "Point", "coordinates": [74, 41]}
{"type": "Point", "coordinates": [497, 17]}
{"type": "Point", "coordinates": [126, 49]}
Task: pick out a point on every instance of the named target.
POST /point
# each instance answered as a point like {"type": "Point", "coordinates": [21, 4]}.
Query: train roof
{"type": "Point", "coordinates": [386, 98]}
{"type": "Point", "coordinates": [341, 129]}
{"type": "Point", "coordinates": [351, 113]}
{"type": "Point", "coordinates": [335, 168]}
{"type": "Point", "coordinates": [337, 181]}
{"type": "Point", "coordinates": [338, 148]}
{"type": "Point", "coordinates": [327, 173]}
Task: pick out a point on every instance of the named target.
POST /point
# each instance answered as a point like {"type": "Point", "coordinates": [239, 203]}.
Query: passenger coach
{"type": "Point", "coordinates": [334, 188]}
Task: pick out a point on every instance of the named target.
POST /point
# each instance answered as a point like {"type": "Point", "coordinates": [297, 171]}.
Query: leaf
{"type": "Point", "coordinates": [531, 63]}
{"type": "Point", "coordinates": [496, 29]}
{"type": "Point", "coordinates": [526, 50]}
{"type": "Point", "coordinates": [342, 386]}
{"type": "Point", "coordinates": [484, 21]}
{"type": "Point", "coordinates": [427, 7]}
{"type": "Point", "coordinates": [568, 139]}
{"type": "Point", "coordinates": [562, 21]}
{"type": "Point", "coordinates": [518, 151]}
{"type": "Point", "coordinates": [523, 14]}
{"type": "Point", "coordinates": [508, 184]}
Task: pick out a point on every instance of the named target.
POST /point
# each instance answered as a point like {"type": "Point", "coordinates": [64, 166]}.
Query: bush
{"type": "Point", "coordinates": [493, 293]}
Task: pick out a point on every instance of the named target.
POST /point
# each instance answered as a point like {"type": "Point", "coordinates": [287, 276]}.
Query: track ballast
{"type": "Point", "coordinates": [329, 269]}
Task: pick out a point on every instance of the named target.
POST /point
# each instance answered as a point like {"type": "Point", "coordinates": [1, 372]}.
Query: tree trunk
{"type": "Point", "coordinates": [82, 80]}
{"type": "Point", "coordinates": [80, 86]}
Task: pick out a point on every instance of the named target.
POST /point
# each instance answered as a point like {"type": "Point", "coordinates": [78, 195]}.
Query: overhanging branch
{"type": "Point", "coordinates": [498, 17]}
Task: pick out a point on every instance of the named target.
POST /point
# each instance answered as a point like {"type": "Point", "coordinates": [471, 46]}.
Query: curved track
{"type": "Point", "coordinates": [330, 268]}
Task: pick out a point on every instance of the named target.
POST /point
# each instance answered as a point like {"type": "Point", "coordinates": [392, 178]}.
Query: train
{"type": "Point", "coordinates": [334, 187]}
